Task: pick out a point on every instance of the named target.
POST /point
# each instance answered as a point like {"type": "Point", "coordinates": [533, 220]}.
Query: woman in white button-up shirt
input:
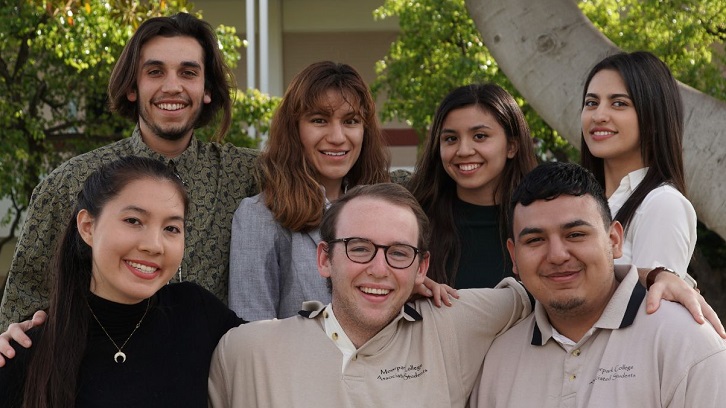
{"type": "Point", "coordinates": [632, 132]}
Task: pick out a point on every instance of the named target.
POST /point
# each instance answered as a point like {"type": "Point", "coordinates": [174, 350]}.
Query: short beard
{"type": "Point", "coordinates": [170, 134]}
{"type": "Point", "coordinates": [566, 306]}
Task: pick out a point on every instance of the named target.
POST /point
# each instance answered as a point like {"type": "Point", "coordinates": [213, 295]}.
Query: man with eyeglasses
{"type": "Point", "coordinates": [368, 348]}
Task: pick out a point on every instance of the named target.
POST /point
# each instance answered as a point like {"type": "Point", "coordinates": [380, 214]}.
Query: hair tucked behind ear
{"type": "Point", "coordinates": [54, 367]}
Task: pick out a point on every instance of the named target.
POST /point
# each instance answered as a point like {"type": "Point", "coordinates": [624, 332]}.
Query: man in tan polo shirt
{"type": "Point", "coordinates": [589, 342]}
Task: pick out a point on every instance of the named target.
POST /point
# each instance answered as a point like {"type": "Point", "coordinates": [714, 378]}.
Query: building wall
{"type": "Point", "coordinates": [306, 31]}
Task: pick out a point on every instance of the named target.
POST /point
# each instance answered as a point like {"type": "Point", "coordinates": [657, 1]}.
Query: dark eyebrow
{"type": "Point", "coordinates": [529, 230]}
{"type": "Point", "coordinates": [471, 129]}
{"type": "Point", "coordinates": [611, 96]}
{"type": "Point", "coordinates": [142, 211]}
{"type": "Point", "coordinates": [566, 226]}
{"type": "Point", "coordinates": [190, 64]}
{"type": "Point", "coordinates": [148, 63]}
{"type": "Point", "coordinates": [575, 224]}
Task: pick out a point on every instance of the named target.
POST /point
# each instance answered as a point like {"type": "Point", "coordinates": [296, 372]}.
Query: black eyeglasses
{"type": "Point", "coordinates": [361, 250]}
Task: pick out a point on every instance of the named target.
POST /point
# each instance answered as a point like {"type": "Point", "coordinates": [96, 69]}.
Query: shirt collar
{"type": "Point", "coordinates": [313, 309]}
{"type": "Point", "coordinates": [316, 310]}
{"type": "Point", "coordinates": [184, 163]}
{"type": "Point", "coordinates": [627, 185]}
{"type": "Point", "coordinates": [619, 313]}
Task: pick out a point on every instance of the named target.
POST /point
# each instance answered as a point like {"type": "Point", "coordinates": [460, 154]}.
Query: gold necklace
{"type": "Point", "coordinates": [120, 353]}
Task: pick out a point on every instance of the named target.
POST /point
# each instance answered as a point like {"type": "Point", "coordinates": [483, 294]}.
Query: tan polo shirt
{"type": "Point", "coordinates": [426, 357]}
{"type": "Point", "coordinates": [628, 359]}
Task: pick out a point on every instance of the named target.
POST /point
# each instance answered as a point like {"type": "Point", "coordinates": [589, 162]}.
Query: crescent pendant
{"type": "Point", "coordinates": [120, 355]}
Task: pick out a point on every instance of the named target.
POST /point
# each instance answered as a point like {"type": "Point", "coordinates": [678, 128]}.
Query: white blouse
{"type": "Point", "coordinates": [662, 231]}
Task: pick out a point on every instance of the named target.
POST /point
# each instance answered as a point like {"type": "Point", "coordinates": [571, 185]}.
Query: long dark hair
{"type": "Point", "coordinates": [289, 181]}
{"type": "Point", "coordinates": [659, 107]}
{"type": "Point", "coordinates": [218, 78]}
{"type": "Point", "coordinates": [54, 367]}
{"type": "Point", "coordinates": [436, 190]}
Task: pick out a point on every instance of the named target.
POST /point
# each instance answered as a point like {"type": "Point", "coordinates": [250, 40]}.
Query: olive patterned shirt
{"type": "Point", "coordinates": [217, 177]}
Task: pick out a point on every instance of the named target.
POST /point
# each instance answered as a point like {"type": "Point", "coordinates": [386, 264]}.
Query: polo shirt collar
{"type": "Point", "coordinates": [620, 312]}
{"type": "Point", "coordinates": [315, 309]}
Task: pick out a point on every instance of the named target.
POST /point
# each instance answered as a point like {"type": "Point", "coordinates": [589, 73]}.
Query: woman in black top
{"type": "Point", "coordinates": [117, 334]}
{"type": "Point", "coordinates": [478, 151]}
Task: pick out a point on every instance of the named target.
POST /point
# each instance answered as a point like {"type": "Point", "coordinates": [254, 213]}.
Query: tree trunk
{"type": "Point", "coordinates": [547, 47]}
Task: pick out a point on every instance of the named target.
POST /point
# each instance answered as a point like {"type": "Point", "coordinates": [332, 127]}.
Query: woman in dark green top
{"type": "Point", "coordinates": [478, 150]}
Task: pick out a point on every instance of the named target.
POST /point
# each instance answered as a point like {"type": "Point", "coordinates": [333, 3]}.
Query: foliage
{"type": "Point", "coordinates": [687, 34]}
{"type": "Point", "coordinates": [251, 110]}
{"type": "Point", "coordinates": [439, 48]}
{"type": "Point", "coordinates": [56, 57]}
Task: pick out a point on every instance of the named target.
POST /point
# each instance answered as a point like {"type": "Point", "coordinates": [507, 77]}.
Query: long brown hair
{"type": "Point", "coordinates": [659, 107]}
{"type": "Point", "coordinates": [436, 190]}
{"type": "Point", "coordinates": [55, 364]}
{"type": "Point", "coordinates": [218, 78]}
{"type": "Point", "coordinates": [289, 182]}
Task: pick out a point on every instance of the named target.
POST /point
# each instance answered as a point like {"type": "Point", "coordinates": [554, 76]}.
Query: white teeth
{"type": "Point", "coordinates": [142, 268]}
{"type": "Point", "coordinates": [334, 153]}
{"type": "Point", "coordinates": [602, 133]}
{"type": "Point", "coordinates": [469, 167]}
{"type": "Point", "coordinates": [374, 291]}
{"type": "Point", "coordinates": [170, 106]}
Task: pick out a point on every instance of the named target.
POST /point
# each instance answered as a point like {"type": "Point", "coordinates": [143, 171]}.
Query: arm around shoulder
{"type": "Point", "coordinates": [27, 286]}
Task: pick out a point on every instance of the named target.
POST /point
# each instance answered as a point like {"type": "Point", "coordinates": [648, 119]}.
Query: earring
{"type": "Point", "coordinates": [179, 272]}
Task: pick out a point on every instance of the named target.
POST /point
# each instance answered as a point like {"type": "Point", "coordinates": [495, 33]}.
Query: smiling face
{"type": "Point", "coordinates": [474, 150]}
{"type": "Point", "coordinates": [332, 138]}
{"type": "Point", "coordinates": [137, 241]}
{"type": "Point", "coordinates": [366, 297]}
{"type": "Point", "coordinates": [564, 254]}
{"type": "Point", "coordinates": [170, 88]}
{"type": "Point", "coordinates": [610, 122]}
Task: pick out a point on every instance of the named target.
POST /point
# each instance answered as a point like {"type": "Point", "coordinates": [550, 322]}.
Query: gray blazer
{"type": "Point", "coordinates": [272, 270]}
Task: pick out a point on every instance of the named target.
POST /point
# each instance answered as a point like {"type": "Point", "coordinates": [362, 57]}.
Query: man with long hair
{"type": "Point", "coordinates": [170, 79]}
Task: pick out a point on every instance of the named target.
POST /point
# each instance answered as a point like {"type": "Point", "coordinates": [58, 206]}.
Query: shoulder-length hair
{"type": "Point", "coordinates": [218, 78]}
{"type": "Point", "coordinates": [54, 367]}
{"type": "Point", "coordinates": [436, 190]}
{"type": "Point", "coordinates": [659, 107]}
{"type": "Point", "coordinates": [289, 180]}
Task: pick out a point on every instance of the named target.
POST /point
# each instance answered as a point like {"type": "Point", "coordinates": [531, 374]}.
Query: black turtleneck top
{"type": "Point", "coordinates": [167, 358]}
{"type": "Point", "coordinates": [484, 260]}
